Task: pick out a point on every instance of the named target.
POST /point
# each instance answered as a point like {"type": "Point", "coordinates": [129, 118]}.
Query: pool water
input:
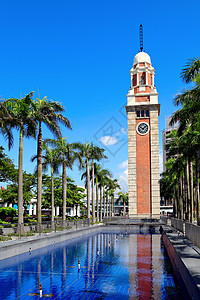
{"type": "Point", "coordinates": [112, 266]}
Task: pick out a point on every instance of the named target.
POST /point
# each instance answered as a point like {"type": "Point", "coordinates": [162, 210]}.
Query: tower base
{"type": "Point", "coordinates": [144, 216]}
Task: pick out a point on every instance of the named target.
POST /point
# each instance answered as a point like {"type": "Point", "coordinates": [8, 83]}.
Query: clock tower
{"type": "Point", "coordinates": [143, 140]}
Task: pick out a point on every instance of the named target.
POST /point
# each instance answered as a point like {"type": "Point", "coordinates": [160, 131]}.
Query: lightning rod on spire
{"type": "Point", "coordinates": [141, 38]}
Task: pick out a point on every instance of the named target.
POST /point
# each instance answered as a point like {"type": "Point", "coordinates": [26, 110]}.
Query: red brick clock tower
{"type": "Point", "coordinates": [143, 140]}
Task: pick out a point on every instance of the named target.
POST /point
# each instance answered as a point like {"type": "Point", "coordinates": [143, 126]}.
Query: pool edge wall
{"type": "Point", "coordinates": [13, 248]}
{"type": "Point", "coordinates": [186, 281]}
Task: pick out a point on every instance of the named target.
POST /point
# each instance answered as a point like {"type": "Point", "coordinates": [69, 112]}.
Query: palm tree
{"type": "Point", "coordinates": [51, 158]}
{"type": "Point", "coordinates": [106, 187]}
{"type": "Point", "coordinates": [181, 153]}
{"type": "Point", "coordinates": [85, 151]}
{"type": "Point", "coordinates": [67, 156]}
{"type": "Point", "coordinates": [49, 113]}
{"type": "Point", "coordinates": [189, 118]}
{"type": "Point", "coordinates": [191, 70]}
{"type": "Point", "coordinates": [7, 123]}
{"type": "Point", "coordinates": [93, 153]}
{"type": "Point", "coordinates": [98, 176]}
{"type": "Point", "coordinates": [96, 154]}
{"type": "Point", "coordinates": [123, 197]}
{"type": "Point", "coordinates": [97, 169]}
{"type": "Point", "coordinates": [113, 186]}
{"type": "Point", "coordinates": [102, 175]}
{"type": "Point", "coordinates": [22, 113]}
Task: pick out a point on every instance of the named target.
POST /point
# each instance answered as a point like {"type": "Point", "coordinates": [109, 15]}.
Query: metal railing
{"type": "Point", "coordinates": [14, 231]}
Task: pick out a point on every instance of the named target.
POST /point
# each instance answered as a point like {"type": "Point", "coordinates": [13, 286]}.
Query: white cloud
{"type": "Point", "coordinates": [124, 164]}
{"type": "Point", "coordinates": [123, 181]}
{"type": "Point", "coordinates": [108, 140]}
{"type": "Point", "coordinates": [123, 176]}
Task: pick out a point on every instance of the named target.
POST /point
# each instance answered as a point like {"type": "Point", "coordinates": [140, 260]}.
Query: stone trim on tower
{"type": "Point", "coordinates": [132, 186]}
{"type": "Point", "coordinates": [155, 176]}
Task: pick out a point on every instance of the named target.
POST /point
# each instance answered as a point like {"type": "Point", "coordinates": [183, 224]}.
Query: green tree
{"type": "Point", "coordinates": [7, 122]}
{"type": "Point", "coordinates": [10, 194]}
{"type": "Point", "coordinates": [21, 111]}
{"type": "Point", "coordinates": [8, 172]}
{"type": "Point", "coordinates": [51, 114]}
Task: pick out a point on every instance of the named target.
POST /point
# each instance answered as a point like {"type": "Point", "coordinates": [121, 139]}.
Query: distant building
{"type": "Point", "coordinates": [166, 131]}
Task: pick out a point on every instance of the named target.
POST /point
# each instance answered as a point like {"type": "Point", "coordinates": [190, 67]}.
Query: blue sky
{"type": "Point", "coordinates": [80, 53]}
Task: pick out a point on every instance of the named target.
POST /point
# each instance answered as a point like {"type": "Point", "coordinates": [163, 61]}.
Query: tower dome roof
{"type": "Point", "coordinates": [142, 57]}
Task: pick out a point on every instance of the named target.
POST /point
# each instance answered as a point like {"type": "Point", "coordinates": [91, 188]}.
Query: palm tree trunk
{"type": "Point", "coordinates": [104, 202]}
{"type": "Point", "coordinates": [64, 184]}
{"type": "Point", "coordinates": [178, 199]}
{"type": "Point", "coordinates": [191, 193]}
{"type": "Point", "coordinates": [93, 195]}
{"type": "Point", "coordinates": [113, 207]}
{"type": "Point", "coordinates": [107, 203]}
{"type": "Point", "coordinates": [97, 198]}
{"type": "Point", "coordinates": [185, 193]}
{"type": "Point", "coordinates": [101, 208]}
{"type": "Point", "coordinates": [110, 206]}
{"type": "Point", "coordinates": [52, 196]}
{"type": "Point", "coordinates": [175, 204]}
{"type": "Point", "coordinates": [188, 190]}
{"type": "Point", "coordinates": [182, 195]}
{"type": "Point", "coordinates": [198, 200]}
{"type": "Point", "coordinates": [20, 186]}
{"type": "Point", "coordinates": [39, 175]}
{"type": "Point", "coordinates": [88, 187]}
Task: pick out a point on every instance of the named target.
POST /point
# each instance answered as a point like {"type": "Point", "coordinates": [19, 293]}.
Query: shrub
{"type": "Point", "coordinates": [30, 233]}
{"type": "Point", "coordinates": [8, 219]}
{"type": "Point", "coordinates": [32, 221]}
{"type": "Point", "coordinates": [7, 212]}
{"type": "Point", "coordinates": [5, 224]}
{"type": "Point", "coordinates": [15, 220]}
{"type": "Point", "coordinates": [5, 238]}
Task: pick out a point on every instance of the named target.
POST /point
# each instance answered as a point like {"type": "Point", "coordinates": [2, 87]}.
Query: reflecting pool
{"type": "Point", "coordinates": [112, 266]}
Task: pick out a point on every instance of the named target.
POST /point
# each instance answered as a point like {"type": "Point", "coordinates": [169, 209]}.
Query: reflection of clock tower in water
{"type": "Point", "coordinates": [143, 140]}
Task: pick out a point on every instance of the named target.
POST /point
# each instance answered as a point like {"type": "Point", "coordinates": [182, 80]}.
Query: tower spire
{"type": "Point", "coordinates": [141, 38]}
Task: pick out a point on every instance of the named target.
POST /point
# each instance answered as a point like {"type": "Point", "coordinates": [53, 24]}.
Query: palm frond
{"type": "Point", "coordinates": [191, 69]}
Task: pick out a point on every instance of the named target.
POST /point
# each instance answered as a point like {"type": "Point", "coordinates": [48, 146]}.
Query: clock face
{"type": "Point", "coordinates": [143, 128]}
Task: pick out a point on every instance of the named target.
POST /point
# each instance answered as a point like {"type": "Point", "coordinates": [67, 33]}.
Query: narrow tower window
{"type": "Point", "coordinates": [142, 79]}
